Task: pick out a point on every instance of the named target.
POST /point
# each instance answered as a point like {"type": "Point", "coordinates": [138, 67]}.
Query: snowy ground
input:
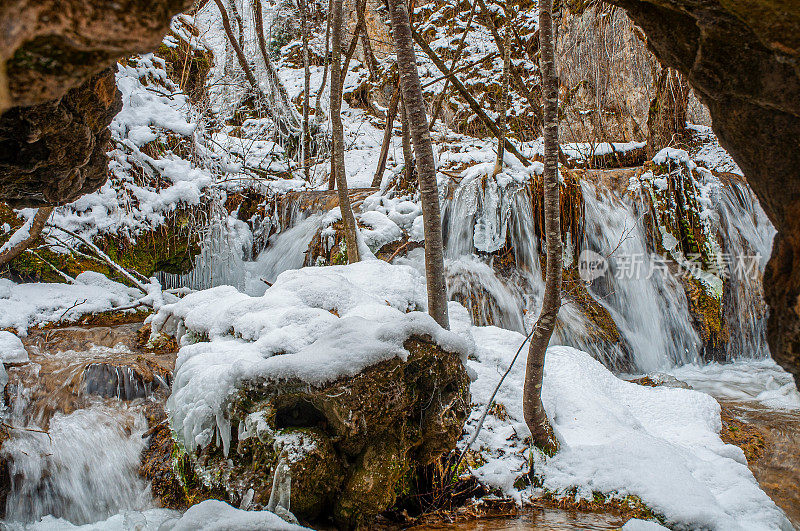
{"type": "Point", "coordinates": [618, 438]}
{"type": "Point", "coordinates": [210, 515]}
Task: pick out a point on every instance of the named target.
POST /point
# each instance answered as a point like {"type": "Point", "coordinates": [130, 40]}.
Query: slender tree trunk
{"type": "Point", "coordinates": [226, 24]}
{"type": "Point", "coordinates": [408, 153]}
{"type": "Point", "coordinates": [503, 111]}
{"type": "Point", "coordinates": [387, 137]}
{"type": "Point", "coordinates": [277, 97]}
{"type": "Point", "coordinates": [337, 161]}
{"type": "Point", "coordinates": [239, 22]}
{"type": "Point", "coordinates": [34, 227]}
{"type": "Point", "coordinates": [437, 105]}
{"type": "Point", "coordinates": [369, 57]}
{"type": "Point", "coordinates": [318, 107]}
{"type": "Point", "coordinates": [306, 140]}
{"type": "Point", "coordinates": [426, 167]}
{"type": "Point", "coordinates": [666, 120]}
{"type": "Point", "coordinates": [533, 409]}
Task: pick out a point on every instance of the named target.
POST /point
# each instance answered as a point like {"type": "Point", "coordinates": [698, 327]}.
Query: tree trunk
{"type": "Point", "coordinates": [533, 409]}
{"type": "Point", "coordinates": [503, 111]}
{"type": "Point", "coordinates": [34, 227]}
{"type": "Point", "coordinates": [426, 168]}
{"type": "Point", "coordinates": [281, 107]}
{"type": "Point", "coordinates": [408, 153]}
{"type": "Point", "coordinates": [226, 24]}
{"type": "Point", "coordinates": [337, 161]}
{"type": "Point", "coordinates": [318, 107]}
{"type": "Point", "coordinates": [306, 141]}
{"type": "Point", "coordinates": [666, 121]}
{"type": "Point", "coordinates": [369, 57]}
{"type": "Point", "coordinates": [387, 137]}
{"type": "Point", "coordinates": [239, 22]}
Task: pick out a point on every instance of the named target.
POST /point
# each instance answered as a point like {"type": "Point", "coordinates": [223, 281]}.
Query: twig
{"type": "Point", "coordinates": [472, 439]}
{"type": "Point", "coordinates": [70, 308]}
{"type": "Point", "coordinates": [121, 270]}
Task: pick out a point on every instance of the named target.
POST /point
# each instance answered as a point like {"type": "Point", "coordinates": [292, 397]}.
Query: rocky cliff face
{"type": "Point", "coordinates": [55, 105]}
{"type": "Point", "coordinates": [742, 57]}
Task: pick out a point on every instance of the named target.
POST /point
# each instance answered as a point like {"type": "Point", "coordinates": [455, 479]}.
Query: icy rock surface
{"type": "Point", "coordinates": [11, 348]}
{"type": "Point", "coordinates": [330, 361]}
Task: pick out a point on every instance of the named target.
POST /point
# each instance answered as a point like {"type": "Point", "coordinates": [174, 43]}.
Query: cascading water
{"type": "Point", "coordinates": [84, 469]}
{"type": "Point", "coordinates": [746, 232]}
{"type": "Point", "coordinates": [647, 303]}
{"type": "Point", "coordinates": [648, 326]}
{"type": "Point", "coordinates": [642, 294]}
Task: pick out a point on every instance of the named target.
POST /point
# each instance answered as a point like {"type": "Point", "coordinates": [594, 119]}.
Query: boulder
{"type": "Point", "coordinates": [343, 448]}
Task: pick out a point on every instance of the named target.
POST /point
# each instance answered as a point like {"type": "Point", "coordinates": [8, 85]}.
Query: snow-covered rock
{"type": "Point", "coordinates": [11, 348]}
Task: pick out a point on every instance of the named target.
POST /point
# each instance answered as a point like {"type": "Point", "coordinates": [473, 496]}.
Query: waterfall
{"type": "Point", "coordinates": [227, 243]}
{"type": "Point", "coordinates": [84, 469]}
{"type": "Point", "coordinates": [634, 317]}
{"type": "Point", "coordinates": [746, 231]}
{"type": "Point", "coordinates": [648, 304]}
{"type": "Point", "coordinates": [640, 291]}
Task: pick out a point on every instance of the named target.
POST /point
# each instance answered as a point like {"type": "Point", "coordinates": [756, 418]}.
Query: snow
{"type": "Point", "coordinates": [660, 444]}
{"type": "Point", "coordinates": [675, 155]}
{"type": "Point", "coordinates": [209, 515]}
{"type": "Point", "coordinates": [25, 305]}
{"type": "Point", "coordinates": [747, 380]}
{"type": "Point", "coordinates": [304, 327]}
{"type": "Point", "coordinates": [634, 524]}
{"type": "Point", "coordinates": [11, 348]}
{"type": "Point", "coordinates": [21, 234]}
{"type": "Point", "coordinates": [214, 515]}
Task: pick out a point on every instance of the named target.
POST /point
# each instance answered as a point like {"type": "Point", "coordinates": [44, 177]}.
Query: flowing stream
{"type": "Point", "coordinates": [85, 469]}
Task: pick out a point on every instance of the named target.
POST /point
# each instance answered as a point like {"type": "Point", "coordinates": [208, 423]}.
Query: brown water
{"type": "Point", "coordinates": [536, 519]}
{"type": "Point", "coordinates": [70, 367]}
{"type": "Point", "coordinates": [778, 470]}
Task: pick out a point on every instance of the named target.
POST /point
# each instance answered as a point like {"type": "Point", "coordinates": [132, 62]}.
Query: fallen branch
{"type": "Point", "coordinates": [111, 263]}
{"type": "Point", "coordinates": [474, 105]}
{"type": "Point", "coordinates": [63, 275]}
{"type": "Point", "coordinates": [19, 241]}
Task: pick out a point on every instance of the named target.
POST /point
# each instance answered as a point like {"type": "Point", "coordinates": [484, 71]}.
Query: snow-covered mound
{"type": "Point", "coordinates": [11, 348]}
{"type": "Point", "coordinates": [25, 305]}
{"type": "Point", "coordinates": [316, 324]}
{"type": "Point", "coordinates": [210, 515]}
{"type": "Point", "coordinates": [660, 444]}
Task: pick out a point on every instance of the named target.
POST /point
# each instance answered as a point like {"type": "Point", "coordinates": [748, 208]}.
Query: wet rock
{"type": "Point", "coordinates": [346, 444]}
{"type": "Point", "coordinates": [70, 367]}
{"type": "Point", "coordinates": [57, 90]}
{"type": "Point", "coordinates": [743, 60]}
{"type": "Point", "coordinates": [51, 46]}
{"type": "Point", "coordinates": [54, 152]}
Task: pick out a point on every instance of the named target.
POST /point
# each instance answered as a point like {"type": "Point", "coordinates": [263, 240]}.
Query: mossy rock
{"type": "Point", "coordinates": [170, 247]}
{"type": "Point", "coordinates": [349, 443]}
{"type": "Point", "coordinates": [708, 316]}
